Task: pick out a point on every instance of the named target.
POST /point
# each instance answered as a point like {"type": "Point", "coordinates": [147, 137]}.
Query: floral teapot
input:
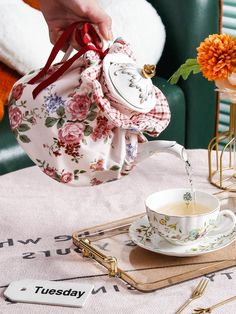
{"type": "Point", "coordinates": [82, 121]}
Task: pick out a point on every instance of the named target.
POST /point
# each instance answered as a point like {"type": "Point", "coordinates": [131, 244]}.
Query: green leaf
{"type": "Point", "coordinates": [88, 130]}
{"type": "Point", "coordinates": [76, 178]}
{"type": "Point", "coordinates": [41, 164]}
{"type": "Point", "coordinates": [91, 116]}
{"type": "Point", "coordinates": [76, 171]}
{"type": "Point", "coordinates": [50, 122]}
{"type": "Point", "coordinates": [60, 111]}
{"type": "Point", "coordinates": [82, 171]}
{"type": "Point", "coordinates": [15, 132]}
{"type": "Point", "coordinates": [31, 120]}
{"type": "Point", "coordinates": [57, 177]}
{"type": "Point", "coordinates": [115, 168]}
{"type": "Point", "coordinates": [185, 70]}
{"type": "Point", "coordinates": [93, 106]}
{"type": "Point", "coordinates": [106, 139]}
{"type": "Point", "coordinates": [60, 123]}
{"type": "Point", "coordinates": [23, 127]}
{"type": "Point", "coordinates": [12, 101]}
{"type": "Point", "coordinates": [24, 139]}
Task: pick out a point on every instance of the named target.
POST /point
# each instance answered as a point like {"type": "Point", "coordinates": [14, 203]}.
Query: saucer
{"type": "Point", "coordinates": [221, 236]}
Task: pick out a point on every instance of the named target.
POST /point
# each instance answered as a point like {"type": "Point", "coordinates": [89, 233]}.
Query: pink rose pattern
{"type": "Point", "coordinates": [71, 132]}
{"type": "Point", "coordinates": [79, 120]}
{"type": "Point", "coordinates": [102, 129]}
{"type": "Point", "coordinates": [62, 177]}
{"type": "Point", "coordinates": [17, 91]}
{"type": "Point", "coordinates": [97, 165]}
{"type": "Point", "coordinates": [49, 171]}
{"type": "Point", "coordinates": [78, 107]}
{"type": "Point", "coordinates": [66, 177]}
{"type": "Point", "coordinates": [15, 117]}
{"type": "Point", "coordinates": [95, 181]}
{"type": "Point", "coordinates": [21, 119]}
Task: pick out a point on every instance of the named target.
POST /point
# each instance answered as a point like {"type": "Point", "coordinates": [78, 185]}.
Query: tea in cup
{"type": "Point", "coordinates": [176, 217]}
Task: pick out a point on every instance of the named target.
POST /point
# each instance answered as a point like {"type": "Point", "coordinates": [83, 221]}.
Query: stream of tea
{"type": "Point", "coordinates": [189, 172]}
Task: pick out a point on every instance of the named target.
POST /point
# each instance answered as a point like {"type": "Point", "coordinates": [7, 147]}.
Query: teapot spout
{"type": "Point", "coordinates": [147, 149]}
{"type": "Point", "coordinates": [179, 151]}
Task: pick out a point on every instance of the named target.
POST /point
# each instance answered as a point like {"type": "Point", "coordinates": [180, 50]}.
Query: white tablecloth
{"type": "Point", "coordinates": [38, 216]}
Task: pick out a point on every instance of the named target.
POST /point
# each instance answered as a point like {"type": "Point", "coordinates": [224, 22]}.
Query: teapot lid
{"type": "Point", "coordinates": [127, 83]}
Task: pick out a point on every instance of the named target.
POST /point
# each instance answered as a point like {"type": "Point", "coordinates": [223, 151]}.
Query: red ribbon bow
{"type": "Point", "coordinates": [87, 38]}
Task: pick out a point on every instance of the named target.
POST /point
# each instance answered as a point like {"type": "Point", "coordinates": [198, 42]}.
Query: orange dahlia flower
{"type": "Point", "coordinates": [217, 56]}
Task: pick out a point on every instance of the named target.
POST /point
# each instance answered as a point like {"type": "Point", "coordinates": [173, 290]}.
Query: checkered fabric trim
{"type": "Point", "coordinates": [152, 123]}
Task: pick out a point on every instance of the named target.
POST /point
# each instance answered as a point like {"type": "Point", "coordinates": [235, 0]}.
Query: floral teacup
{"type": "Point", "coordinates": [178, 218]}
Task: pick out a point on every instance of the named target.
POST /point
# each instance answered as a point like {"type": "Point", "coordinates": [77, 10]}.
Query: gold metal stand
{"type": "Point", "coordinates": [222, 163]}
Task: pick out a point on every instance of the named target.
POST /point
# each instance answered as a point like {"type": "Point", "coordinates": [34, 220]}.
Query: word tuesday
{"type": "Point", "coordinates": [70, 292]}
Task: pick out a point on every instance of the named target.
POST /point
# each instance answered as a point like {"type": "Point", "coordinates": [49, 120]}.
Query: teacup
{"type": "Point", "coordinates": [173, 215]}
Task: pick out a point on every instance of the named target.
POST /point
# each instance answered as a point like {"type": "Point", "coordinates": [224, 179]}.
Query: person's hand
{"type": "Point", "coordinates": [60, 13]}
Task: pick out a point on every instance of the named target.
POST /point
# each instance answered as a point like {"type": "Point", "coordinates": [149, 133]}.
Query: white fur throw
{"type": "Point", "coordinates": [24, 41]}
{"type": "Point", "coordinates": [140, 25]}
{"type": "Point", "coordinates": [25, 45]}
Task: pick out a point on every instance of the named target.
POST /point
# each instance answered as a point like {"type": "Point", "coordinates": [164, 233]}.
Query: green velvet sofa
{"type": "Point", "coordinates": [193, 103]}
{"type": "Point", "coordinates": [187, 23]}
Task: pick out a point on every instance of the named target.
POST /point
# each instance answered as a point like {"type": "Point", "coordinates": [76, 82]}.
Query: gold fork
{"type": "Point", "coordinates": [197, 293]}
{"type": "Point", "coordinates": [209, 309]}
